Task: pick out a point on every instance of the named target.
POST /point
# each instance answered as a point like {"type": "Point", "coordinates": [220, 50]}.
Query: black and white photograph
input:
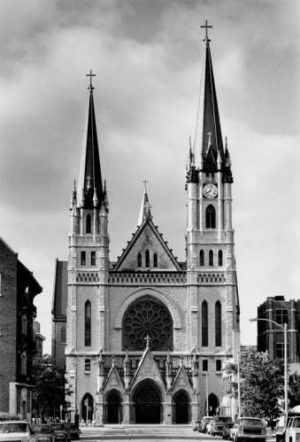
{"type": "Point", "coordinates": [149, 220]}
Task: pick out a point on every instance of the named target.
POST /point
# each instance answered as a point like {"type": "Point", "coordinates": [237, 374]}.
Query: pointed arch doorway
{"type": "Point", "coordinates": [147, 404]}
{"type": "Point", "coordinates": [213, 404]}
{"type": "Point", "coordinates": [114, 407]}
{"type": "Point", "coordinates": [181, 408]}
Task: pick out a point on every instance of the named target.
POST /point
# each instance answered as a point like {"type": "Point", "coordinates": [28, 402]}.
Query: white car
{"type": "Point", "coordinates": [12, 431]}
{"type": "Point", "coordinates": [292, 432]}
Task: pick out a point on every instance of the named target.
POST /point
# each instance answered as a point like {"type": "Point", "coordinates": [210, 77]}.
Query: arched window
{"type": "Point", "coordinates": [139, 260]}
{"type": "Point", "coordinates": [218, 324]}
{"type": "Point", "coordinates": [87, 324]}
{"type": "Point", "coordinates": [210, 258]}
{"type": "Point", "coordinates": [147, 259]}
{"type": "Point", "coordinates": [201, 258]}
{"type": "Point", "coordinates": [220, 258]}
{"type": "Point", "coordinates": [63, 335]}
{"type": "Point", "coordinates": [210, 217]}
{"type": "Point", "coordinates": [155, 262]}
{"type": "Point", "coordinates": [88, 224]}
{"type": "Point", "coordinates": [204, 324]}
{"type": "Point", "coordinates": [24, 325]}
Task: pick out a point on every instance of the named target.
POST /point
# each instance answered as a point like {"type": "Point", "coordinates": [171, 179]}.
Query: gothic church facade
{"type": "Point", "coordinates": [148, 337]}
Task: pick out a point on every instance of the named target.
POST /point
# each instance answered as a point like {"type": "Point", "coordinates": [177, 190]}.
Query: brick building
{"type": "Point", "coordinates": [270, 338]}
{"type": "Point", "coordinates": [18, 288]}
{"type": "Point", "coordinates": [148, 336]}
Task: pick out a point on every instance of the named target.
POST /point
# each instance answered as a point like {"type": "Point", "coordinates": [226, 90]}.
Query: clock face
{"type": "Point", "coordinates": [210, 191]}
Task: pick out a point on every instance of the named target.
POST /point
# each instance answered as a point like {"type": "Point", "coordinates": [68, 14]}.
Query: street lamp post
{"type": "Point", "coordinates": [285, 330]}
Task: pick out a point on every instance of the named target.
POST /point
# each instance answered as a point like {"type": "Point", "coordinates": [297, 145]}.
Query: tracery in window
{"type": "Point", "coordinates": [147, 316]}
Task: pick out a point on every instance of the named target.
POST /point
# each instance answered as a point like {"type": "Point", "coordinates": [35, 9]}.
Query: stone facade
{"type": "Point", "coordinates": [148, 336]}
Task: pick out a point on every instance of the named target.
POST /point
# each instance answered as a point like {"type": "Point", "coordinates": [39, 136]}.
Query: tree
{"type": "Point", "coordinates": [262, 385]}
{"type": "Point", "coordinates": [49, 391]}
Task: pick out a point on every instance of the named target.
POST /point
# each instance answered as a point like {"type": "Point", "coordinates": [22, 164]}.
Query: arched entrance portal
{"type": "Point", "coordinates": [213, 404]}
{"type": "Point", "coordinates": [114, 407]}
{"type": "Point", "coordinates": [147, 403]}
{"type": "Point", "coordinates": [181, 408]}
{"type": "Point", "coordinates": [87, 408]}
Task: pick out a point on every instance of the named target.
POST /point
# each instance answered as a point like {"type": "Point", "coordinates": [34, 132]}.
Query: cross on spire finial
{"type": "Point", "coordinates": [145, 184]}
{"type": "Point", "coordinates": [91, 87]}
{"type": "Point", "coordinates": [147, 339]}
{"type": "Point", "coordinates": [206, 26]}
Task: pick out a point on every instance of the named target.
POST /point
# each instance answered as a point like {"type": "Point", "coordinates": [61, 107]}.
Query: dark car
{"type": "Point", "coordinates": [44, 433]}
{"type": "Point", "coordinates": [218, 423]}
{"type": "Point", "coordinates": [249, 429]}
{"type": "Point", "coordinates": [60, 432]}
{"type": "Point", "coordinates": [226, 430]}
{"type": "Point", "coordinates": [74, 432]}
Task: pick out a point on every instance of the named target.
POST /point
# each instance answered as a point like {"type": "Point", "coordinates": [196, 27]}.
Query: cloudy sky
{"type": "Point", "coordinates": [147, 57]}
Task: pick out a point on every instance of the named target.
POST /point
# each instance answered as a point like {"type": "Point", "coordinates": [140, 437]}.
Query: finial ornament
{"type": "Point", "coordinates": [145, 182]}
{"type": "Point", "coordinates": [206, 26]}
{"type": "Point", "coordinates": [91, 75]}
{"type": "Point", "coordinates": [147, 339]}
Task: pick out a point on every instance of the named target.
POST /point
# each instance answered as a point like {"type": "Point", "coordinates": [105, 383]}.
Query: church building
{"type": "Point", "coordinates": [147, 336]}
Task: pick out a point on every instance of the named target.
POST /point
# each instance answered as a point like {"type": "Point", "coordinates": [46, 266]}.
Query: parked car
{"type": "Point", "coordinates": [247, 429]}
{"type": "Point", "coordinates": [44, 433]}
{"type": "Point", "coordinates": [204, 423]}
{"type": "Point", "coordinates": [74, 432]}
{"type": "Point", "coordinates": [15, 430]}
{"type": "Point", "coordinates": [280, 430]}
{"type": "Point", "coordinates": [217, 424]}
{"type": "Point", "coordinates": [196, 425]}
{"type": "Point", "coordinates": [60, 432]}
{"type": "Point", "coordinates": [292, 432]}
{"type": "Point", "coordinates": [226, 430]}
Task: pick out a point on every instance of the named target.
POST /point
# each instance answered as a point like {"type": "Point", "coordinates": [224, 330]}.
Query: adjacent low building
{"type": "Point", "coordinates": [18, 287]}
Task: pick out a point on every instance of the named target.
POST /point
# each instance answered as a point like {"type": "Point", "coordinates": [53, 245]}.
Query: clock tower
{"type": "Point", "coordinates": [211, 270]}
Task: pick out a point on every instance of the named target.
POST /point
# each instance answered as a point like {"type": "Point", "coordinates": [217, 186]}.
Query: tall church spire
{"type": "Point", "coordinates": [209, 143]}
{"type": "Point", "coordinates": [90, 188]}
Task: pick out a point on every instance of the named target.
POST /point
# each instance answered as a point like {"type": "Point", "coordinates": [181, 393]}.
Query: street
{"type": "Point", "coordinates": [147, 433]}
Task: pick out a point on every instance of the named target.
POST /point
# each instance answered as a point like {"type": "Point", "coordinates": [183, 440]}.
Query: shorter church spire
{"type": "Point", "coordinates": [145, 210]}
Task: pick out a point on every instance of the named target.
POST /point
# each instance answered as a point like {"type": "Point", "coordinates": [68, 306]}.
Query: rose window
{"type": "Point", "coordinates": [147, 316]}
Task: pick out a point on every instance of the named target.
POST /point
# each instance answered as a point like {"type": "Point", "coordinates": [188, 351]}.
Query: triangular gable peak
{"type": "Point", "coordinates": [147, 369]}
{"type": "Point", "coordinates": [182, 380]}
{"type": "Point", "coordinates": [113, 380]}
{"type": "Point", "coordinates": [147, 240]}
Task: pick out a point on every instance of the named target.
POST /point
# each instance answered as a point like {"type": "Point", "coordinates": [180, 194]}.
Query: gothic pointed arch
{"type": "Point", "coordinates": [87, 408]}
{"type": "Point", "coordinates": [147, 316]}
{"type": "Point", "coordinates": [147, 403]}
{"type": "Point", "coordinates": [220, 258]}
{"type": "Point", "coordinates": [88, 224]}
{"type": "Point", "coordinates": [213, 404]}
{"type": "Point", "coordinates": [114, 408]}
{"type": "Point", "coordinates": [181, 407]}
{"type": "Point", "coordinates": [218, 323]}
{"type": "Point", "coordinates": [210, 217]}
{"type": "Point", "coordinates": [211, 258]}
{"type": "Point", "coordinates": [87, 324]}
{"type": "Point", "coordinates": [201, 258]}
